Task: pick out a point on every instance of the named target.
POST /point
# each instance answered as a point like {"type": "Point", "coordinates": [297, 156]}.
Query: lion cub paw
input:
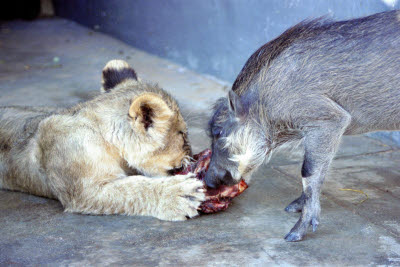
{"type": "Point", "coordinates": [181, 197]}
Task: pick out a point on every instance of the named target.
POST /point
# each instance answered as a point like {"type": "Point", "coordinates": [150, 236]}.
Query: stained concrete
{"type": "Point", "coordinates": [56, 62]}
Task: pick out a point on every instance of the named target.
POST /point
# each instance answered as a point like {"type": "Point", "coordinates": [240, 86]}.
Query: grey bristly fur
{"type": "Point", "coordinates": [315, 82]}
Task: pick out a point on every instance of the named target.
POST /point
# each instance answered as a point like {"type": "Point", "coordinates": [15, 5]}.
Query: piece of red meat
{"type": "Point", "coordinates": [217, 199]}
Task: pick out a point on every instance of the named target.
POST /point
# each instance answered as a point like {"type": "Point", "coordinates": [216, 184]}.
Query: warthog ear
{"type": "Point", "coordinates": [235, 104]}
{"type": "Point", "coordinates": [149, 111]}
{"type": "Point", "coordinates": [115, 72]}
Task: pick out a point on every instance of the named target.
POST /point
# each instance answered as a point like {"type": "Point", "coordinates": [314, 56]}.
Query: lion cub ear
{"type": "Point", "coordinates": [115, 72]}
{"type": "Point", "coordinates": [149, 111]}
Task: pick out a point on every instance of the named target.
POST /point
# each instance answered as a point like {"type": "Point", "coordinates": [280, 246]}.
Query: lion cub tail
{"type": "Point", "coordinates": [115, 72]}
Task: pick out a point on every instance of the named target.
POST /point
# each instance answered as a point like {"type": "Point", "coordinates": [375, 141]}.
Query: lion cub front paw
{"type": "Point", "coordinates": [181, 197]}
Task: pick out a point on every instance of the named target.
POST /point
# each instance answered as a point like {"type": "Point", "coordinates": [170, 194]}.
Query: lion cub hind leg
{"type": "Point", "coordinates": [173, 198]}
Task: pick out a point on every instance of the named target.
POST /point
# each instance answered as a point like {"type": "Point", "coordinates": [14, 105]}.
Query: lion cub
{"type": "Point", "coordinates": [100, 156]}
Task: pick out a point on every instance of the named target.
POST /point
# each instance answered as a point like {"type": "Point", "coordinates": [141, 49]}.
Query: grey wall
{"type": "Point", "coordinates": [209, 36]}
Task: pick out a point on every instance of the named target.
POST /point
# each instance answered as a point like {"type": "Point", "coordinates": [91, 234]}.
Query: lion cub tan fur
{"type": "Point", "coordinates": [109, 155]}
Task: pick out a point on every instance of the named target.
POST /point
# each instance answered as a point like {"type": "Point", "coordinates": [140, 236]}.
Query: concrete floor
{"type": "Point", "coordinates": [57, 62]}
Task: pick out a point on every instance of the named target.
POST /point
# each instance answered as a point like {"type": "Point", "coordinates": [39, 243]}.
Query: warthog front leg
{"type": "Point", "coordinates": [321, 141]}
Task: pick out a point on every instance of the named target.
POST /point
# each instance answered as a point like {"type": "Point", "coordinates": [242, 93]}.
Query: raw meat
{"type": "Point", "coordinates": [217, 199]}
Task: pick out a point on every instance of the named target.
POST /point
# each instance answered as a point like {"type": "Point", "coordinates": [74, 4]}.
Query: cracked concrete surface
{"type": "Point", "coordinates": [57, 62]}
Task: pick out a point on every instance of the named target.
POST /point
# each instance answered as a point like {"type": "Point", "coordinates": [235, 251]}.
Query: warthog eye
{"type": "Point", "coordinates": [218, 134]}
